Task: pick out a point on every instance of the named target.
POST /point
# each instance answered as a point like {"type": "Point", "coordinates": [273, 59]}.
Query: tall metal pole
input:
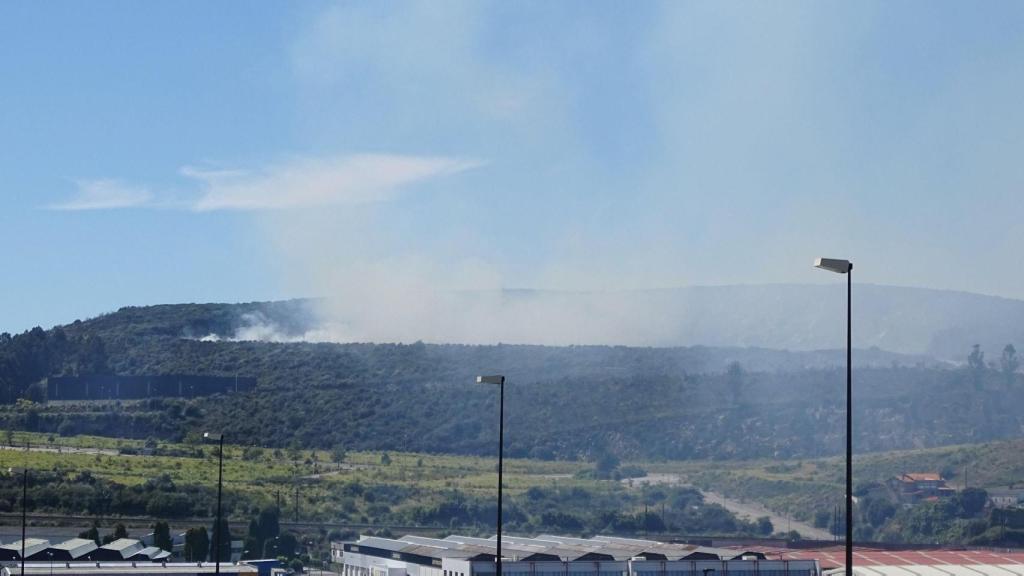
{"type": "Point", "coordinates": [220, 524]}
{"type": "Point", "coordinates": [501, 452]}
{"type": "Point", "coordinates": [24, 515]}
{"type": "Point", "coordinates": [849, 421]}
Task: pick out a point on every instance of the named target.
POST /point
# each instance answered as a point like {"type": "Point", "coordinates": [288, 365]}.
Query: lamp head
{"type": "Point", "coordinates": [495, 379]}
{"type": "Point", "coordinates": [834, 265]}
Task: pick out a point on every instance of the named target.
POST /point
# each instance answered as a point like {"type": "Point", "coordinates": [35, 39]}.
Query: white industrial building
{"type": "Point", "coordinates": [127, 569]}
{"type": "Point", "coordinates": [549, 555]}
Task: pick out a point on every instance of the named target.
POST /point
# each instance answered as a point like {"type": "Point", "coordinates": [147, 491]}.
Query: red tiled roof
{"type": "Point", "coordinates": [834, 556]}
{"type": "Point", "coordinates": [923, 477]}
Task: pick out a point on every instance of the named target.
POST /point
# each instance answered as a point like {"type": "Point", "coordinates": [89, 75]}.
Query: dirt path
{"type": "Point", "coordinates": [747, 510]}
{"type": "Point", "coordinates": [753, 510]}
{"type": "Point", "coordinates": [62, 449]}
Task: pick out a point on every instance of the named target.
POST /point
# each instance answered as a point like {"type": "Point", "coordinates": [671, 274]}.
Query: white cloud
{"type": "Point", "coordinates": [297, 183]}
{"type": "Point", "coordinates": [105, 195]}
{"type": "Point", "coordinates": [301, 183]}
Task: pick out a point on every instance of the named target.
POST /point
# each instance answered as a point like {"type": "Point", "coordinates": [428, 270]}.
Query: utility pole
{"type": "Point", "coordinates": [24, 515]}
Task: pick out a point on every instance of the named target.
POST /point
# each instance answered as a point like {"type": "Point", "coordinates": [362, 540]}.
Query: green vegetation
{"type": "Point", "coordinates": [809, 490]}
{"type": "Point", "coordinates": [566, 403]}
{"type": "Point", "coordinates": [392, 488]}
{"type": "Point", "coordinates": [399, 434]}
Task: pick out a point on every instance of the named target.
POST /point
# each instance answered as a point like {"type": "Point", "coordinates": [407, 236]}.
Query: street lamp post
{"type": "Point", "coordinates": [24, 514]}
{"type": "Point", "coordinates": [220, 482]}
{"type": "Point", "coordinates": [846, 267]}
{"type": "Point", "coordinates": [500, 381]}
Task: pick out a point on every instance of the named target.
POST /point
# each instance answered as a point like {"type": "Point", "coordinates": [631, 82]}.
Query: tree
{"type": "Point", "coordinates": [197, 544]}
{"type": "Point", "coordinates": [269, 522]}
{"type": "Point", "coordinates": [1009, 363]}
{"type": "Point", "coordinates": [120, 531]}
{"type": "Point", "coordinates": [734, 377]}
{"type": "Point", "coordinates": [286, 544]}
{"type": "Point", "coordinates": [976, 365]}
{"type": "Point", "coordinates": [606, 465]}
{"type": "Point", "coordinates": [223, 543]}
{"type": "Point", "coordinates": [92, 533]}
{"type": "Point", "coordinates": [972, 501]}
{"type": "Point", "coordinates": [764, 526]}
{"type": "Point", "coordinates": [162, 536]}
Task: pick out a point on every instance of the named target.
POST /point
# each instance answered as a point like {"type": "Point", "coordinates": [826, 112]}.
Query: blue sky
{"type": "Point", "coordinates": [232, 151]}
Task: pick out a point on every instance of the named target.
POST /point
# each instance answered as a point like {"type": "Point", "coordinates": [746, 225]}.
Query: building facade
{"type": "Point", "coordinates": [549, 555]}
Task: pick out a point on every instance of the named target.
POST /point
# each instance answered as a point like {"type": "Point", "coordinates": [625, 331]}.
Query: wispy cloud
{"type": "Point", "coordinates": [105, 195]}
{"type": "Point", "coordinates": [297, 183]}
{"type": "Point", "coordinates": [301, 183]}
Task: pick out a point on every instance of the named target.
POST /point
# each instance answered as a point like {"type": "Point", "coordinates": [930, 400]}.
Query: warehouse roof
{"type": "Point", "coordinates": [153, 553]}
{"type": "Point", "coordinates": [834, 557]}
{"type": "Point", "coordinates": [32, 546]}
{"type": "Point", "coordinates": [546, 548]}
{"type": "Point", "coordinates": [125, 569]}
{"type": "Point", "coordinates": [123, 545]}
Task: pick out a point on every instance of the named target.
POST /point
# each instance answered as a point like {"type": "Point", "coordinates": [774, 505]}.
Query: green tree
{"type": "Point", "coordinates": [197, 544]}
{"type": "Point", "coordinates": [972, 501]}
{"type": "Point", "coordinates": [734, 379]}
{"type": "Point", "coordinates": [1009, 364]}
{"type": "Point", "coordinates": [606, 465]}
{"type": "Point", "coordinates": [976, 365]}
{"type": "Point", "coordinates": [120, 531]}
{"type": "Point", "coordinates": [162, 536]}
{"type": "Point", "coordinates": [92, 533]}
{"type": "Point", "coordinates": [223, 543]}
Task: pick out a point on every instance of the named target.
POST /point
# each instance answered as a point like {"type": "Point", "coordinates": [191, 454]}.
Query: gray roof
{"type": "Point", "coordinates": [32, 546]}
{"type": "Point", "coordinates": [549, 547]}
{"type": "Point", "coordinates": [152, 552]}
{"type": "Point", "coordinates": [76, 545]}
{"type": "Point", "coordinates": [125, 569]}
{"type": "Point", "coordinates": [122, 544]}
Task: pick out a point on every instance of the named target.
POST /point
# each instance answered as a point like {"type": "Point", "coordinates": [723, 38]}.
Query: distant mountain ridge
{"type": "Point", "coordinates": [914, 321]}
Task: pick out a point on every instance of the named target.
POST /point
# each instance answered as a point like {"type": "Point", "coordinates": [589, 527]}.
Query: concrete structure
{"type": "Point", "coordinates": [913, 487]}
{"type": "Point", "coordinates": [549, 555]}
{"type": "Point", "coordinates": [126, 569]}
{"type": "Point", "coordinates": [873, 562]}
{"type": "Point", "coordinates": [1005, 497]}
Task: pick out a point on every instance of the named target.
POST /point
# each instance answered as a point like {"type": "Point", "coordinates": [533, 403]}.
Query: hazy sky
{"type": "Point", "coordinates": [155, 152]}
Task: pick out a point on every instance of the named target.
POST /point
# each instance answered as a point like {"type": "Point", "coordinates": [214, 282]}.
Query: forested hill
{"type": "Point", "coordinates": [938, 323]}
{"type": "Point", "coordinates": [568, 402]}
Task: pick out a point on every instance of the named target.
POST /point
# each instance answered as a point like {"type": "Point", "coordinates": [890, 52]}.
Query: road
{"type": "Point", "coordinates": [748, 510]}
{"type": "Point", "coordinates": [62, 449]}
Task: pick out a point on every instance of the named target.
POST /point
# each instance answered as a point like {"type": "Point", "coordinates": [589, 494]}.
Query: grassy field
{"type": "Point", "coordinates": [262, 474]}
{"type": "Point", "coordinates": [796, 488]}
{"type": "Point", "coordinates": [800, 487]}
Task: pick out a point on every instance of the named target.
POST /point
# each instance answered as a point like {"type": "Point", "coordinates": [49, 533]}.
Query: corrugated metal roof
{"type": "Point", "coordinates": [76, 547]}
{"type": "Point", "coordinates": [32, 546]}
{"type": "Point", "coordinates": [123, 545]}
